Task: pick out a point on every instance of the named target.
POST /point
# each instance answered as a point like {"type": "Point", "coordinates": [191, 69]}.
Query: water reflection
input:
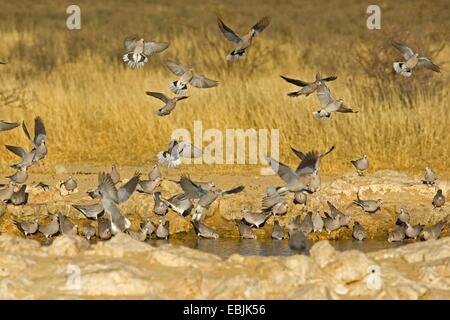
{"type": "Point", "coordinates": [225, 247]}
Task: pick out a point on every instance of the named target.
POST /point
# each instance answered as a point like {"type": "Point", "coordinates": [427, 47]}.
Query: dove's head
{"type": "Point", "coordinates": [365, 156]}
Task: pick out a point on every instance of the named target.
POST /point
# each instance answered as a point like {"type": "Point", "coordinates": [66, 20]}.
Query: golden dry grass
{"type": "Point", "coordinates": [96, 111]}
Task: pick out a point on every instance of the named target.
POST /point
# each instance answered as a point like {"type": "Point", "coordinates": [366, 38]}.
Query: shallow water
{"type": "Point", "coordinates": [225, 247]}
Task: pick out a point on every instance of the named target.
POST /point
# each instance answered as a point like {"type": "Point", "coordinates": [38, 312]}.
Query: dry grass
{"type": "Point", "coordinates": [96, 111]}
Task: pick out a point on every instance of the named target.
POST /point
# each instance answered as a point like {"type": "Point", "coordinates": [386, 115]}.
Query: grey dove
{"type": "Point", "coordinates": [307, 225]}
{"type": "Point", "coordinates": [430, 177]}
{"type": "Point", "coordinates": [40, 139]}
{"type": "Point", "coordinates": [330, 104]}
{"type": "Point", "coordinates": [277, 231]}
{"type": "Point", "coordinates": [91, 211]}
{"type": "Point", "coordinates": [245, 231]}
{"type": "Point", "coordinates": [204, 231]}
{"type": "Point", "coordinates": [413, 231]}
{"type": "Point", "coordinates": [412, 60]}
{"type": "Point", "coordinates": [433, 232]}
{"type": "Point", "coordinates": [89, 231]}
{"type": "Point", "coordinates": [104, 228]}
{"type": "Point", "coordinates": [179, 203]}
{"type": "Point", "coordinates": [361, 164]}
{"type": "Point", "coordinates": [138, 51]}
{"type": "Point", "coordinates": [438, 199]}
{"type": "Point", "coordinates": [317, 222]}
{"type": "Point", "coordinates": [397, 235]}
{"type": "Point", "coordinates": [307, 87]}
{"type": "Point", "coordinates": [242, 43]}
{"type": "Point", "coordinates": [169, 103]}
{"type": "Point", "coordinates": [50, 229]}
{"type": "Point", "coordinates": [20, 176]}
{"type": "Point", "coordinates": [176, 152]}
{"type": "Point", "coordinates": [20, 197]}
{"type": "Point", "coordinates": [27, 227]}
{"type": "Point", "coordinates": [67, 227]}
{"type": "Point", "coordinates": [7, 191]}
{"type": "Point", "coordinates": [187, 76]}
{"type": "Point", "coordinates": [359, 233]}
{"type": "Point", "coordinates": [162, 231]}
{"type": "Point", "coordinates": [255, 219]}
{"type": "Point", "coordinates": [70, 184]}
{"type": "Point", "coordinates": [160, 208]}
{"type": "Point", "coordinates": [369, 206]}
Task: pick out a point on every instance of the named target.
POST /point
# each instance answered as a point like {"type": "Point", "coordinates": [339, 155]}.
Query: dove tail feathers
{"type": "Point", "coordinates": [236, 54]}
{"type": "Point", "coordinates": [135, 60]}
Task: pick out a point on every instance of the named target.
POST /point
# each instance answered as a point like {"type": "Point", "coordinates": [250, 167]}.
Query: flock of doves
{"type": "Point", "coordinates": [198, 196]}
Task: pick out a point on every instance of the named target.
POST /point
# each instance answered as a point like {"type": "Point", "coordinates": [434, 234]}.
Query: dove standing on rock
{"type": "Point", "coordinates": [438, 199]}
{"type": "Point", "coordinates": [187, 75]}
{"type": "Point", "coordinates": [50, 229]}
{"type": "Point", "coordinates": [169, 103]}
{"type": "Point", "coordinates": [140, 236]}
{"type": "Point", "coordinates": [149, 227]}
{"type": "Point", "coordinates": [177, 151]}
{"type": "Point", "coordinates": [27, 227]}
{"type": "Point", "coordinates": [104, 229]}
{"type": "Point", "coordinates": [307, 225]}
{"type": "Point", "coordinates": [359, 233]}
{"type": "Point", "coordinates": [70, 184]}
{"type": "Point", "coordinates": [7, 192]}
{"type": "Point", "coordinates": [255, 219]}
{"type": "Point", "coordinates": [138, 51]}
{"type": "Point", "coordinates": [317, 222]}
{"type": "Point", "coordinates": [277, 231]}
{"type": "Point", "coordinates": [402, 217]}
{"type": "Point", "coordinates": [5, 126]}
{"type": "Point", "coordinates": [412, 60]}
{"type": "Point", "coordinates": [242, 43]}
{"type": "Point", "coordinates": [245, 230]}
{"type": "Point", "coordinates": [430, 177]}
{"type": "Point", "coordinates": [162, 231]}
{"type": "Point", "coordinates": [66, 226]}
{"type": "Point", "coordinates": [300, 198]}
{"type": "Point", "coordinates": [361, 164]}
{"type": "Point", "coordinates": [397, 235]}
{"type": "Point", "coordinates": [330, 104]}
{"type": "Point", "coordinates": [433, 232]}
{"type": "Point", "coordinates": [307, 87]}
{"type": "Point", "coordinates": [20, 197]}
{"type": "Point", "coordinates": [331, 223]}
{"type": "Point", "coordinates": [160, 208]}
{"type": "Point", "coordinates": [369, 206]}
{"type": "Point", "coordinates": [413, 231]}
{"type": "Point", "coordinates": [202, 230]}
{"type": "Point", "coordinates": [89, 231]}
{"type": "Point", "coordinates": [344, 220]}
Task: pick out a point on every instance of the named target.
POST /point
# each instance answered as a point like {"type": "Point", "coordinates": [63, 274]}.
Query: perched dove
{"type": "Point", "coordinates": [402, 217]}
{"type": "Point", "coordinates": [20, 197]}
{"type": "Point", "coordinates": [369, 206]}
{"type": "Point", "coordinates": [50, 229]}
{"type": "Point", "coordinates": [202, 230]}
{"type": "Point", "coordinates": [160, 208]}
{"type": "Point", "coordinates": [397, 235]}
{"type": "Point", "coordinates": [187, 75]}
{"type": "Point", "coordinates": [245, 230]}
{"type": "Point", "coordinates": [242, 43]}
{"type": "Point", "coordinates": [138, 51]}
{"type": "Point", "coordinates": [361, 164]}
{"type": "Point", "coordinates": [162, 231]}
{"type": "Point", "coordinates": [300, 198]}
{"type": "Point", "coordinates": [433, 232]}
{"type": "Point", "coordinates": [27, 227]}
{"type": "Point", "coordinates": [359, 233]}
{"type": "Point", "coordinates": [413, 231]}
{"type": "Point", "coordinates": [70, 184]}
{"type": "Point", "coordinates": [67, 227]}
{"type": "Point", "coordinates": [412, 60]}
{"type": "Point", "coordinates": [331, 223]}
{"type": "Point", "coordinates": [7, 192]}
{"type": "Point", "coordinates": [307, 224]}
{"type": "Point", "coordinates": [104, 228]}
{"type": "Point", "coordinates": [307, 87]}
{"type": "Point", "coordinates": [277, 231]}
{"type": "Point", "coordinates": [254, 218]}
{"type": "Point", "coordinates": [169, 104]}
{"type": "Point", "coordinates": [430, 177]}
{"type": "Point", "coordinates": [317, 222]}
{"type": "Point", "coordinates": [274, 203]}
{"type": "Point", "coordinates": [89, 231]}
{"type": "Point", "coordinates": [438, 199]}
